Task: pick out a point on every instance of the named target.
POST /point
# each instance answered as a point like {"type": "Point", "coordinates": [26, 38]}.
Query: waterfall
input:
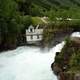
{"type": "Point", "coordinates": [28, 63]}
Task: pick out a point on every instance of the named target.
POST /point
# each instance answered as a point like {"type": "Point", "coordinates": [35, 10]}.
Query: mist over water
{"type": "Point", "coordinates": [28, 63]}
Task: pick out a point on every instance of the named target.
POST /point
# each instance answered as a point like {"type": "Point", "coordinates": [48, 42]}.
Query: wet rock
{"type": "Point", "coordinates": [55, 68]}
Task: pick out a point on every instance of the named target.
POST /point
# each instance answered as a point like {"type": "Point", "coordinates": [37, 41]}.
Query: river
{"type": "Point", "coordinates": [28, 63]}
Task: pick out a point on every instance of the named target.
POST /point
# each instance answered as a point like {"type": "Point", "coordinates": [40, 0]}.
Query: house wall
{"type": "Point", "coordinates": [34, 35]}
{"type": "Point", "coordinates": [37, 31]}
{"type": "Point", "coordinates": [33, 39]}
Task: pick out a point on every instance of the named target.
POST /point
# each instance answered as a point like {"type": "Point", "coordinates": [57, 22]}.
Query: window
{"type": "Point", "coordinates": [31, 30]}
{"type": "Point", "coordinates": [31, 36]}
{"type": "Point", "coordinates": [37, 36]}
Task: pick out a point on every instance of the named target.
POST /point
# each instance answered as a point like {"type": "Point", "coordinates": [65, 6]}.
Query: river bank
{"type": "Point", "coordinates": [66, 65]}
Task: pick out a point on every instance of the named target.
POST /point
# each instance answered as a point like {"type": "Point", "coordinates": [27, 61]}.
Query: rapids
{"type": "Point", "coordinates": [28, 63]}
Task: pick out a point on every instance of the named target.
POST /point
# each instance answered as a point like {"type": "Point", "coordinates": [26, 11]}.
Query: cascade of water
{"type": "Point", "coordinates": [75, 34]}
{"type": "Point", "coordinates": [28, 63]}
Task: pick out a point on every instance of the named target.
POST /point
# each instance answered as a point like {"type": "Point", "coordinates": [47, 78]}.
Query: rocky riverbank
{"type": "Point", "coordinates": [67, 62]}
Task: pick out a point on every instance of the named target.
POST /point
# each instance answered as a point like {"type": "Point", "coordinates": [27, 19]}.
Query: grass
{"type": "Point", "coordinates": [37, 20]}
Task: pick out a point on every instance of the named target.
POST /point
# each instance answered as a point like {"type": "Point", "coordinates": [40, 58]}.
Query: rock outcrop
{"type": "Point", "coordinates": [64, 65]}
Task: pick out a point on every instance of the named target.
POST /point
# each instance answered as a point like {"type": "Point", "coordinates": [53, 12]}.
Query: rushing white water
{"type": "Point", "coordinates": [28, 63]}
{"type": "Point", "coordinates": [75, 34]}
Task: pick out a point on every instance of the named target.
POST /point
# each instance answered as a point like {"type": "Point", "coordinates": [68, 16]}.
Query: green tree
{"type": "Point", "coordinates": [24, 6]}
{"type": "Point", "coordinates": [7, 25]}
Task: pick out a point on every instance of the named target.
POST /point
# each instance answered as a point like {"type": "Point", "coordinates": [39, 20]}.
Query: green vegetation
{"type": "Point", "coordinates": [8, 22]}
{"type": "Point", "coordinates": [57, 4]}
{"type": "Point", "coordinates": [69, 57]}
{"type": "Point", "coordinates": [47, 38]}
{"type": "Point", "coordinates": [37, 20]}
{"type": "Point", "coordinates": [75, 62]}
{"type": "Point", "coordinates": [63, 13]}
{"type": "Point", "coordinates": [11, 24]}
{"type": "Point", "coordinates": [17, 15]}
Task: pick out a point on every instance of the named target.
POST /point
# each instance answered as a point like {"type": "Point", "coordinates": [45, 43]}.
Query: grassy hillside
{"type": "Point", "coordinates": [56, 4]}
{"type": "Point", "coordinates": [45, 7]}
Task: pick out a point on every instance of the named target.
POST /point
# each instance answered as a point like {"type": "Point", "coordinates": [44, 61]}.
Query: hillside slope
{"type": "Point", "coordinates": [57, 3]}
